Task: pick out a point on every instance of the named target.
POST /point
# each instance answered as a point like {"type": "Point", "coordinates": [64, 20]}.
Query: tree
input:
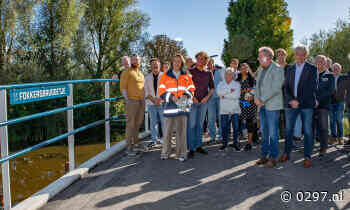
{"type": "Point", "coordinates": [46, 40]}
{"type": "Point", "coordinates": [334, 44]}
{"type": "Point", "coordinates": [57, 24]}
{"type": "Point", "coordinates": [163, 48]}
{"type": "Point", "coordinates": [111, 27]}
{"type": "Point", "coordinates": [255, 23]}
{"type": "Point", "coordinates": [13, 15]}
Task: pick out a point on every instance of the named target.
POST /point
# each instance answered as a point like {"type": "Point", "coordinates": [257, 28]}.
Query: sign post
{"type": "Point", "coordinates": [5, 151]}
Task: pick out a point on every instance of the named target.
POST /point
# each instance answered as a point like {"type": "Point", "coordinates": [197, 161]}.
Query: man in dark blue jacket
{"type": "Point", "coordinates": [300, 94]}
{"type": "Point", "coordinates": [324, 95]}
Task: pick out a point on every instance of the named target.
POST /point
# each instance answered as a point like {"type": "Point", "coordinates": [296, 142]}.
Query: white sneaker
{"type": "Point", "coordinates": [181, 159]}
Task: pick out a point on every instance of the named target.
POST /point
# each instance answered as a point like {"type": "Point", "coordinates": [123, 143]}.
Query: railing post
{"type": "Point", "coordinates": [107, 123]}
{"type": "Point", "coordinates": [70, 122]}
{"type": "Point", "coordinates": [5, 151]}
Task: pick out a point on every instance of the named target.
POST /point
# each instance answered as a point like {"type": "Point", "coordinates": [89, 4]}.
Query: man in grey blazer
{"type": "Point", "coordinates": [269, 99]}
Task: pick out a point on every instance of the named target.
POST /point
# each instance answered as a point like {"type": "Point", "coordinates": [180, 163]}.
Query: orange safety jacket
{"type": "Point", "coordinates": [170, 86]}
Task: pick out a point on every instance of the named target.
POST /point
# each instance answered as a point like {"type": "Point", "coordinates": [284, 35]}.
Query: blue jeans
{"type": "Point", "coordinates": [195, 125]}
{"type": "Point", "coordinates": [306, 118]}
{"type": "Point", "coordinates": [269, 123]}
{"type": "Point", "coordinates": [336, 114]}
{"type": "Point", "coordinates": [213, 116]}
{"type": "Point", "coordinates": [156, 116]}
{"type": "Point", "coordinates": [226, 121]}
{"type": "Point", "coordinates": [297, 128]}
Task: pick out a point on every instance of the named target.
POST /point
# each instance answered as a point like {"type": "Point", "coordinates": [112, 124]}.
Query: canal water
{"type": "Point", "coordinates": [35, 170]}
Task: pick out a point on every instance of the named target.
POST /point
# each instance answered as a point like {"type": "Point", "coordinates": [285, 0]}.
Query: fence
{"type": "Point", "coordinates": [24, 93]}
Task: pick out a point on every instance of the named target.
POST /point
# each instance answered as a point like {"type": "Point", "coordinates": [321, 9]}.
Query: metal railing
{"type": "Point", "coordinates": [4, 123]}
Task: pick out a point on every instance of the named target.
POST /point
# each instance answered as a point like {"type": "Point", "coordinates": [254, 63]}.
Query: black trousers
{"type": "Point", "coordinates": [252, 127]}
{"type": "Point", "coordinates": [320, 127]}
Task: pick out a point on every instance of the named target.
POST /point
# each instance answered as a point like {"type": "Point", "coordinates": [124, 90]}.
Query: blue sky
{"type": "Point", "coordinates": [201, 23]}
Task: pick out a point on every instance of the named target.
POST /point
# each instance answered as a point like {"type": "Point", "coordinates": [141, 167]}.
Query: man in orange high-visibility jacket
{"type": "Point", "coordinates": [175, 85]}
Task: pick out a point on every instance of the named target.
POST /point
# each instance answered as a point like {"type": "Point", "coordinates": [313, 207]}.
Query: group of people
{"type": "Point", "coordinates": [179, 95]}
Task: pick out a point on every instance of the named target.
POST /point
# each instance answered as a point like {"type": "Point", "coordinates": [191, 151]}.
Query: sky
{"type": "Point", "coordinates": [200, 24]}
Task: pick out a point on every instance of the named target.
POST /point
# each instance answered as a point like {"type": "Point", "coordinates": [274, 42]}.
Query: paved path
{"type": "Point", "coordinates": [220, 180]}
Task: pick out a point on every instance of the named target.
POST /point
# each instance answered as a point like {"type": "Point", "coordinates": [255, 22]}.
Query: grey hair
{"type": "Point", "coordinates": [337, 64]}
{"type": "Point", "coordinates": [323, 57]}
{"type": "Point", "coordinates": [329, 61]}
{"type": "Point", "coordinates": [268, 51]}
{"type": "Point", "coordinates": [303, 48]}
{"type": "Point", "coordinates": [126, 58]}
{"type": "Point", "coordinates": [229, 70]}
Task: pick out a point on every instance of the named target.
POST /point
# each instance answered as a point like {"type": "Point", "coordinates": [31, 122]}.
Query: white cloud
{"type": "Point", "coordinates": [178, 39]}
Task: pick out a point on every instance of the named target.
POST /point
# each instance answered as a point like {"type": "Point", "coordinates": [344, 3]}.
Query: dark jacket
{"type": "Point", "coordinates": [325, 89]}
{"type": "Point", "coordinates": [286, 69]}
{"type": "Point", "coordinates": [339, 91]}
{"type": "Point", "coordinates": [307, 87]}
{"type": "Point", "coordinates": [343, 89]}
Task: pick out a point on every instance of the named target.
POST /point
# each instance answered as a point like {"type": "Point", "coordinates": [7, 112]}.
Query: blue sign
{"type": "Point", "coordinates": [21, 96]}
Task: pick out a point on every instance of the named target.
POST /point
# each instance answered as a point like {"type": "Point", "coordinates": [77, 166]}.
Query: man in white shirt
{"type": "Point", "coordinates": [300, 94]}
{"type": "Point", "coordinates": [153, 102]}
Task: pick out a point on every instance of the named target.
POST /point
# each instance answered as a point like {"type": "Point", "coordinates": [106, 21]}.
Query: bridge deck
{"type": "Point", "coordinates": [220, 180]}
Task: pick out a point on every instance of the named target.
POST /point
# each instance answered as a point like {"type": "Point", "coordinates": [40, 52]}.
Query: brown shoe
{"type": "Point", "coordinates": [271, 163]}
{"type": "Point", "coordinates": [332, 140]}
{"type": "Point", "coordinates": [284, 158]}
{"type": "Point", "coordinates": [307, 163]}
{"type": "Point", "coordinates": [262, 161]}
{"type": "Point", "coordinates": [323, 153]}
{"type": "Point", "coordinates": [340, 141]}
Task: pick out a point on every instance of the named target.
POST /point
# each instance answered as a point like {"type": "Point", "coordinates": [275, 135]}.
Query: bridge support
{"type": "Point", "coordinates": [107, 123]}
{"type": "Point", "coordinates": [70, 123]}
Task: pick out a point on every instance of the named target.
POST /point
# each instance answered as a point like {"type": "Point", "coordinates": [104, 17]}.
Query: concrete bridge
{"type": "Point", "coordinates": [219, 180]}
